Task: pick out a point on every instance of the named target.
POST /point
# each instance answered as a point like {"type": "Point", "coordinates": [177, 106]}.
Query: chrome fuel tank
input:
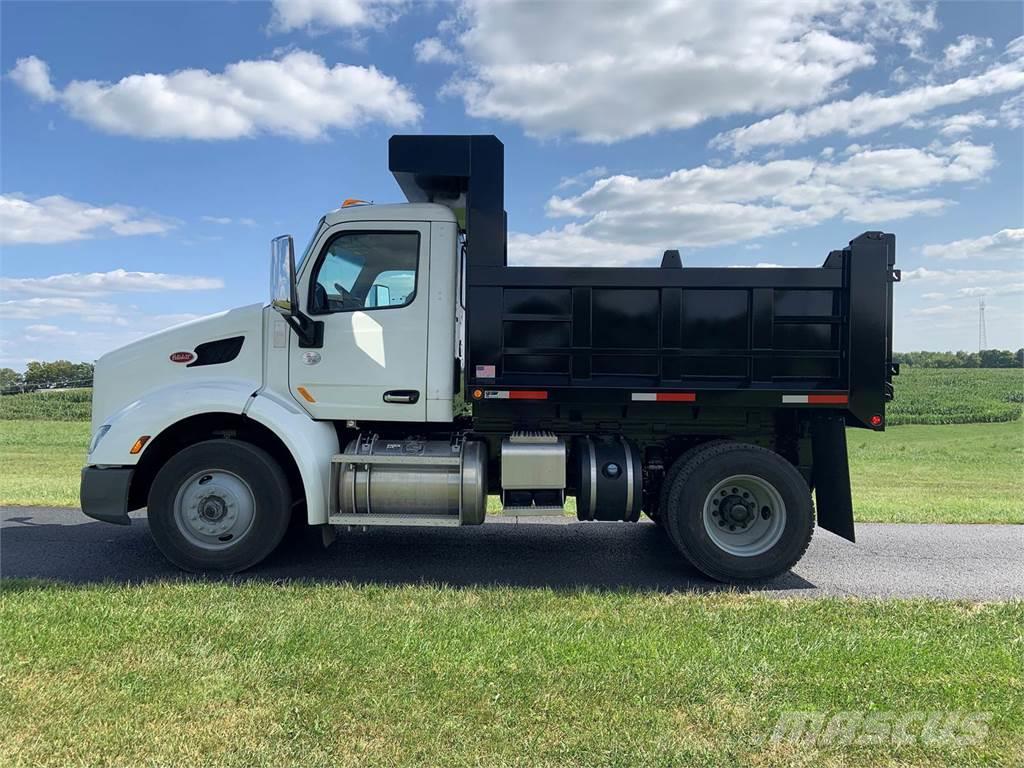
{"type": "Point", "coordinates": [411, 478]}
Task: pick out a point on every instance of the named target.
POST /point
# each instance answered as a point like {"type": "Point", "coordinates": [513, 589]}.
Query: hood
{"type": "Point", "coordinates": [225, 345]}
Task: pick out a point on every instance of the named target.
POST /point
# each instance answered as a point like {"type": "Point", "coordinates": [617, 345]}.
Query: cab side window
{"type": "Point", "coordinates": [366, 270]}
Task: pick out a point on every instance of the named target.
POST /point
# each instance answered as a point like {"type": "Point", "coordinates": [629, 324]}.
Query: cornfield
{"type": "Point", "coordinates": [957, 396]}
{"type": "Point", "coordinates": [56, 405]}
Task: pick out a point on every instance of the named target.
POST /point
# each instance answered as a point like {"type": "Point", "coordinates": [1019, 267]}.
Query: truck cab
{"type": "Point", "coordinates": [403, 374]}
{"type": "Point", "coordinates": [379, 282]}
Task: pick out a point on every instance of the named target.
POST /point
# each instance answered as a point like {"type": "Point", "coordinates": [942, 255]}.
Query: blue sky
{"type": "Point", "coordinates": [150, 150]}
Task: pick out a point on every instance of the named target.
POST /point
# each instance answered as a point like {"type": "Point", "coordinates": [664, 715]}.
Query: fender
{"type": "Point", "coordinates": [159, 408]}
{"type": "Point", "coordinates": [311, 443]}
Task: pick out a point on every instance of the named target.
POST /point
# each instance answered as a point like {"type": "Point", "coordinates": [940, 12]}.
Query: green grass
{"type": "Point", "coordinates": [956, 396]}
{"type": "Point", "coordinates": [964, 473]}
{"type": "Point", "coordinates": [62, 405]}
{"type": "Point", "coordinates": [40, 462]}
{"type": "Point", "coordinates": [302, 675]}
{"type": "Point", "coordinates": [970, 473]}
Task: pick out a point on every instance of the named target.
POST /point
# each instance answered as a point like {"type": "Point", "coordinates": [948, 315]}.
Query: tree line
{"type": "Point", "coordinates": [53, 375]}
{"type": "Point", "coordinates": [986, 358]}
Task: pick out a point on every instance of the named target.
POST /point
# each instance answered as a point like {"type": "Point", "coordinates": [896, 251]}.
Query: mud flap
{"type": "Point", "coordinates": [831, 476]}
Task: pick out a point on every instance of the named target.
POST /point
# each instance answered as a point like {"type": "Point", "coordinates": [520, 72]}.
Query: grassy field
{"type": "Point", "coordinates": [963, 473]}
{"type": "Point", "coordinates": [40, 462]}
{"type": "Point", "coordinates": [305, 675]}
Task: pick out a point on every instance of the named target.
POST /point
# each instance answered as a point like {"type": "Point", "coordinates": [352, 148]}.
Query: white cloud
{"type": "Point", "coordinates": [1004, 244]}
{"type": "Point", "coordinates": [569, 246]}
{"type": "Point", "coordinates": [58, 219]}
{"type": "Point", "coordinates": [969, 282]}
{"type": "Point", "coordinates": [941, 309]}
{"type": "Point", "coordinates": [933, 296]}
{"type": "Point", "coordinates": [431, 49]}
{"type": "Point", "coordinates": [964, 50]}
{"type": "Point", "coordinates": [625, 219]}
{"type": "Point", "coordinates": [103, 283]}
{"type": "Point", "coordinates": [33, 76]}
{"type": "Point", "coordinates": [319, 15]}
{"type": "Point", "coordinates": [611, 72]}
{"type": "Point", "coordinates": [580, 178]}
{"type": "Point", "coordinates": [224, 220]}
{"type": "Point", "coordinates": [297, 95]}
{"type": "Point", "coordinates": [43, 308]}
{"type": "Point", "coordinates": [870, 112]}
{"type": "Point", "coordinates": [958, 125]}
{"type": "Point", "coordinates": [1012, 111]}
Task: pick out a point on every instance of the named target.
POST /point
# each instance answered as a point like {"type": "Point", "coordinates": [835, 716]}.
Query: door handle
{"type": "Point", "coordinates": [405, 396]}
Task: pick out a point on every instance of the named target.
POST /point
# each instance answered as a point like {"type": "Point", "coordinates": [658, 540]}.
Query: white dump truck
{"type": "Point", "coordinates": [713, 400]}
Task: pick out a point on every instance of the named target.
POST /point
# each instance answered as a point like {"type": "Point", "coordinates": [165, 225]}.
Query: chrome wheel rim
{"type": "Point", "coordinates": [744, 515]}
{"type": "Point", "coordinates": [214, 509]}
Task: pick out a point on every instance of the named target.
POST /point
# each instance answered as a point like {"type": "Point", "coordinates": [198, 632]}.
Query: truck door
{"type": "Point", "coordinates": [369, 286]}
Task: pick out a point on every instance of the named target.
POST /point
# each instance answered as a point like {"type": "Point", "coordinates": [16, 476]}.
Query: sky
{"type": "Point", "coordinates": [150, 150]}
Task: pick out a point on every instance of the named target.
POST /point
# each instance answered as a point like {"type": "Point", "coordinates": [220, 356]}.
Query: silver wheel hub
{"type": "Point", "coordinates": [744, 515]}
{"type": "Point", "coordinates": [214, 509]}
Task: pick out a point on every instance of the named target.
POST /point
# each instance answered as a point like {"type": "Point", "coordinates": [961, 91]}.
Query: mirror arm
{"type": "Point", "coordinates": [309, 331]}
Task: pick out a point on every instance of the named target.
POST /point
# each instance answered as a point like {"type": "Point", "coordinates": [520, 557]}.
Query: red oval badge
{"type": "Point", "coordinates": [182, 357]}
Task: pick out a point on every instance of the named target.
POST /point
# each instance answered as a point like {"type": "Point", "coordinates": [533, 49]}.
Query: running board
{"type": "Point", "coordinates": [532, 511]}
{"type": "Point", "coordinates": [432, 521]}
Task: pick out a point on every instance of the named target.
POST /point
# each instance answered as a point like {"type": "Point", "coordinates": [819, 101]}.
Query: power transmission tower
{"type": "Point", "coordinates": [982, 341]}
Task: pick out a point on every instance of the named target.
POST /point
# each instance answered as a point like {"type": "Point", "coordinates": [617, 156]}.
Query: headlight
{"type": "Point", "coordinates": [98, 436]}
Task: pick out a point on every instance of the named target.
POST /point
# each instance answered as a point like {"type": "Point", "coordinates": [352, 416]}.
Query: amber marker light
{"type": "Point", "coordinates": [305, 395]}
{"type": "Point", "coordinates": [139, 445]}
{"type": "Point", "coordinates": [477, 394]}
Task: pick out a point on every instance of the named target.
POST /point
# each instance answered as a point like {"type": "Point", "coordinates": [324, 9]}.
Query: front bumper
{"type": "Point", "coordinates": [104, 493]}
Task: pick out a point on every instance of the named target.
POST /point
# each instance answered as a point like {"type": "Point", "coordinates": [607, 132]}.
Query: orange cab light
{"type": "Point", "coordinates": [305, 395]}
{"type": "Point", "coordinates": [477, 394]}
{"type": "Point", "coordinates": [139, 444]}
{"type": "Point", "coordinates": [349, 201]}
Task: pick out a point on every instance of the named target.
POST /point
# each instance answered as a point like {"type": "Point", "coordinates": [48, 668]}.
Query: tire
{"type": "Point", "coordinates": [219, 506]}
{"type": "Point", "coordinates": [670, 477]}
{"type": "Point", "coordinates": [766, 536]}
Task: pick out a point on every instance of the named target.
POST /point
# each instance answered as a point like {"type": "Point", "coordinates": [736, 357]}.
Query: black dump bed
{"type": "Point", "coordinates": [717, 337]}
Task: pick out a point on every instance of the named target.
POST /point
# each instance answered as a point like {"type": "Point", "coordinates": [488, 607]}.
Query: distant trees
{"type": "Point", "coordinates": [40, 375]}
{"type": "Point", "coordinates": [987, 358]}
{"type": "Point", "coordinates": [9, 378]}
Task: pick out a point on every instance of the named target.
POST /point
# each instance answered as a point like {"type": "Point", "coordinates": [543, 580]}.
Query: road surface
{"type": "Point", "coordinates": [974, 562]}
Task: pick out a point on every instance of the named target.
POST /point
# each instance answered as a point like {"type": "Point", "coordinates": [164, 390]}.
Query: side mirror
{"type": "Point", "coordinates": [380, 296]}
{"type": "Point", "coordinates": [284, 293]}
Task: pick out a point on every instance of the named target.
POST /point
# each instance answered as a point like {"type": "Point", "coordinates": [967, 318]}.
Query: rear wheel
{"type": "Point", "coordinates": [219, 506]}
{"type": "Point", "coordinates": [739, 512]}
{"type": "Point", "coordinates": [670, 476]}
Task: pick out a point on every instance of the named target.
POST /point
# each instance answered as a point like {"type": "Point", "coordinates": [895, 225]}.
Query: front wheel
{"type": "Point", "coordinates": [219, 506]}
{"type": "Point", "coordinates": [739, 512]}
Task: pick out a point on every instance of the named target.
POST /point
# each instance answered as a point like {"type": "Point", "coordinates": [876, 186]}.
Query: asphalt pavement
{"type": "Point", "coordinates": [973, 562]}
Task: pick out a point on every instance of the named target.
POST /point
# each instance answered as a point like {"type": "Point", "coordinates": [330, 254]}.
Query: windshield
{"type": "Point", "coordinates": [309, 245]}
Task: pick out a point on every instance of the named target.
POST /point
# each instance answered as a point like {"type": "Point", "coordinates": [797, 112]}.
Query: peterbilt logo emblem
{"type": "Point", "coordinates": [182, 357]}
